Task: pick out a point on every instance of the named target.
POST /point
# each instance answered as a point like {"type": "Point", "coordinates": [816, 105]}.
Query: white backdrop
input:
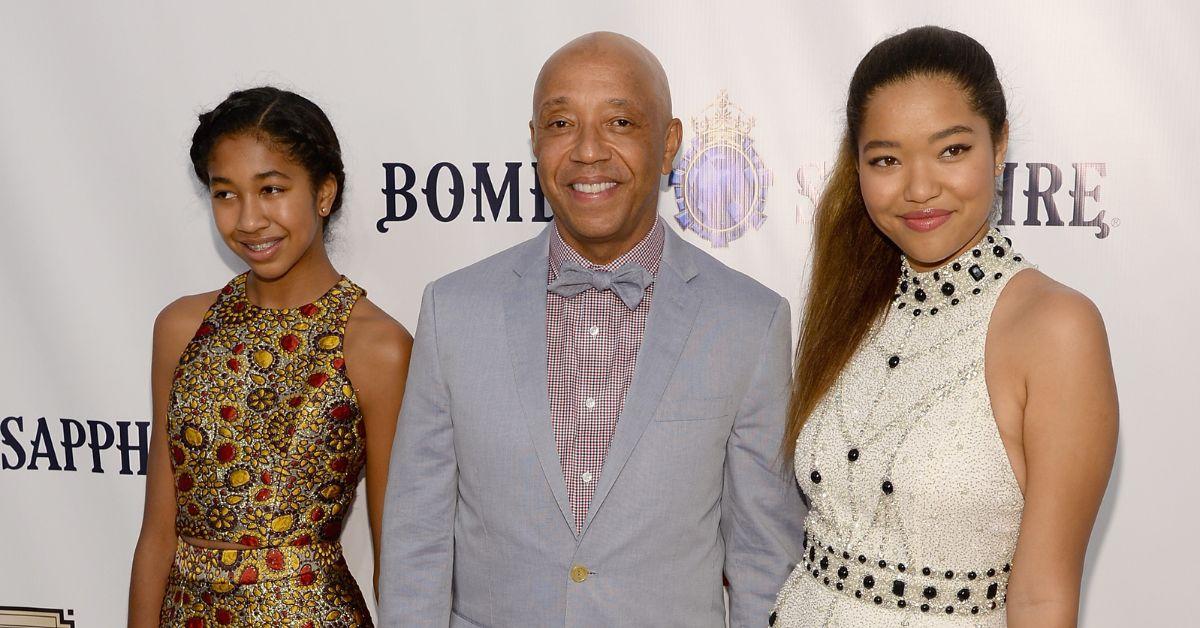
{"type": "Point", "coordinates": [103, 224]}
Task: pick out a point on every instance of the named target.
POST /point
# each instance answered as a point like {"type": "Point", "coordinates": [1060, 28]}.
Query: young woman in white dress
{"type": "Point", "coordinates": [954, 418]}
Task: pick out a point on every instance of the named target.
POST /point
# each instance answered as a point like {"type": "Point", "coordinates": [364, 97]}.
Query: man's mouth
{"type": "Point", "coordinates": [593, 188]}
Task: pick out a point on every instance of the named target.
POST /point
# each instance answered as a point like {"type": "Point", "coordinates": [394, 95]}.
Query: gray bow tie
{"type": "Point", "coordinates": [627, 282]}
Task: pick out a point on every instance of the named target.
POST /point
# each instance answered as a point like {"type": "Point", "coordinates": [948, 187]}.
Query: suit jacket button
{"type": "Point", "coordinates": [579, 573]}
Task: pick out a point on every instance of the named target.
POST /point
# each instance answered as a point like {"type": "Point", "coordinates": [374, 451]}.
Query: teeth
{"type": "Point", "coordinates": [593, 188]}
{"type": "Point", "coordinates": [262, 247]}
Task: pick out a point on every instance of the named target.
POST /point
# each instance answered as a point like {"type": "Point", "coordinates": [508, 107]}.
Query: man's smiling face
{"type": "Point", "coordinates": [602, 136]}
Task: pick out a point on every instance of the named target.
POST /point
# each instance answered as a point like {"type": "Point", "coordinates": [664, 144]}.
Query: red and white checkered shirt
{"type": "Point", "coordinates": [592, 342]}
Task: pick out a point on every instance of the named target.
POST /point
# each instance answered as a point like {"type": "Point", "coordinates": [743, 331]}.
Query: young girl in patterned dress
{"type": "Point", "coordinates": [270, 396]}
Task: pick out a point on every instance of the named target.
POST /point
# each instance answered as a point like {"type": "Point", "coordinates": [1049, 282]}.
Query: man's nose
{"type": "Point", "coordinates": [589, 146]}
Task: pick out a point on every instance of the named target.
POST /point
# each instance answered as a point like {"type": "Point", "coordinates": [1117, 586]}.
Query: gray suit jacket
{"type": "Point", "coordinates": [477, 528]}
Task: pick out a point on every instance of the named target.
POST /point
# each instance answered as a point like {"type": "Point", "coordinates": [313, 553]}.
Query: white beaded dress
{"type": "Point", "coordinates": [914, 508]}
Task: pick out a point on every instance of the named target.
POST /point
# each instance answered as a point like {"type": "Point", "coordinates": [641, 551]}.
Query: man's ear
{"type": "Point", "coordinates": [674, 139]}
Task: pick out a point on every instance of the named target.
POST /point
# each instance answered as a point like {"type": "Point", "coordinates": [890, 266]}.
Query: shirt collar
{"type": "Point", "coordinates": [647, 253]}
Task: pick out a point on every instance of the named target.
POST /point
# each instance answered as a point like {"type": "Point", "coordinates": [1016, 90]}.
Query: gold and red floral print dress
{"type": "Point", "coordinates": [266, 444]}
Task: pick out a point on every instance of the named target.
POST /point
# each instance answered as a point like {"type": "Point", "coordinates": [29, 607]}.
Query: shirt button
{"type": "Point", "coordinates": [579, 573]}
{"type": "Point", "coordinates": [586, 476]}
{"type": "Point", "coordinates": [594, 330]}
{"type": "Point", "coordinates": [590, 403]}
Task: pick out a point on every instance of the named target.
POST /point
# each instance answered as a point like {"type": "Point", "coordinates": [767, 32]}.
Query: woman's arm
{"type": "Point", "coordinates": [173, 329]}
{"type": "Point", "coordinates": [1069, 434]}
{"type": "Point", "coordinates": [377, 352]}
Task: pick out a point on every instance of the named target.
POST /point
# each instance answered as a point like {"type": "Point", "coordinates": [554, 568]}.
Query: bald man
{"type": "Point", "coordinates": [592, 421]}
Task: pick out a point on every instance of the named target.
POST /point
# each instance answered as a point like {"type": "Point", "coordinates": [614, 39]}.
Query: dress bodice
{"type": "Point", "coordinates": [265, 431]}
{"type": "Point", "coordinates": [914, 508]}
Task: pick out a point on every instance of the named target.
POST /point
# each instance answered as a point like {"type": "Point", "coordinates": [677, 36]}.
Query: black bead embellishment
{"type": "Point", "coordinates": [976, 291]}
{"type": "Point", "coordinates": [974, 610]}
{"type": "Point", "coordinates": [858, 594]}
{"type": "Point", "coordinates": [898, 588]}
{"type": "Point", "coordinates": [901, 306]}
{"type": "Point", "coordinates": [883, 564]}
{"type": "Point", "coordinates": [933, 312]}
{"type": "Point", "coordinates": [852, 455]}
{"type": "Point", "coordinates": [924, 608]}
{"type": "Point", "coordinates": [971, 575]}
{"type": "Point", "coordinates": [878, 600]}
{"type": "Point", "coordinates": [956, 266]}
{"type": "Point", "coordinates": [998, 251]}
{"type": "Point", "coordinates": [929, 593]}
{"type": "Point", "coordinates": [976, 253]}
{"type": "Point", "coordinates": [1017, 258]}
{"type": "Point", "coordinates": [926, 571]}
{"type": "Point", "coordinates": [919, 295]}
{"type": "Point", "coordinates": [824, 563]}
{"type": "Point", "coordinates": [846, 555]}
{"type": "Point", "coordinates": [997, 275]}
{"type": "Point", "coordinates": [771, 619]}
{"type": "Point", "coordinates": [901, 603]}
{"type": "Point", "coordinates": [916, 312]}
{"type": "Point", "coordinates": [991, 239]}
{"type": "Point", "coordinates": [894, 361]}
{"type": "Point", "coordinates": [868, 582]}
{"type": "Point", "coordinates": [954, 301]}
{"type": "Point", "coordinates": [949, 610]}
{"type": "Point", "coordinates": [843, 572]}
{"type": "Point", "coordinates": [862, 559]}
{"type": "Point", "coordinates": [887, 490]}
{"type": "Point", "coordinates": [840, 586]}
{"type": "Point", "coordinates": [815, 476]}
{"type": "Point", "coordinates": [903, 287]}
{"type": "Point", "coordinates": [901, 567]}
{"type": "Point", "coordinates": [991, 591]}
{"type": "Point", "coordinates": [949, 575]}
{"type": "Point", "coordinates": [963, 594]}
{"type": "Point", "coordinates": [947, 288]}
{"type": "Point", "coordinates": [1007, 567]}
{"type": "Point", "coordinates": [991, 573]}
{"type": "Point", "coordinates": [976, 272]}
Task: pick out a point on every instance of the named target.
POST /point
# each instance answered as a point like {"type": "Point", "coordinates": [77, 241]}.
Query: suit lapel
{"type": "Point", "coordinates": [672, 312]}
{"type": "Point", "coordinates": [525, 321]}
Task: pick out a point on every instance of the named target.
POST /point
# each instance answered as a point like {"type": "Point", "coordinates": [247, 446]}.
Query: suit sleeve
{"type": "Point", "coordinates": [761, 512]}
{"type": "Point", "coordinates": [417, 557]}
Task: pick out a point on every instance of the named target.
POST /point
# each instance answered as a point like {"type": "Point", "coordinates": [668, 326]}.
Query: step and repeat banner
{"type": "Point", "coordinates": [102, 222]}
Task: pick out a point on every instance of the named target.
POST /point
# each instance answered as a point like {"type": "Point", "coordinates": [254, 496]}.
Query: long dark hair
{"type": "Point", "coordinates": [855, 265]}
{"type": "Point", "coordinates": [289, 121]}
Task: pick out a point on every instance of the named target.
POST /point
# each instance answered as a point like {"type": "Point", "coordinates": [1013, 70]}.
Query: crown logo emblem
{"type": "Point", "coordinates": [720, 183]}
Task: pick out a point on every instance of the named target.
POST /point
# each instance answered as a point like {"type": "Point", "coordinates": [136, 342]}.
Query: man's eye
{"type": "Point", "coordinates": [272, 189]}
{"type": "Point", "coordinates": [222, 194]}
{"type": "Point", "coordinates": [622, 122]}
{"type": "Point", "coordinates": [557, 124]}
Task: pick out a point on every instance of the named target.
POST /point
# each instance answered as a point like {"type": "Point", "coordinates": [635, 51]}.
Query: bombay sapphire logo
{"type": "Point", "coordinates": [721, 184]}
